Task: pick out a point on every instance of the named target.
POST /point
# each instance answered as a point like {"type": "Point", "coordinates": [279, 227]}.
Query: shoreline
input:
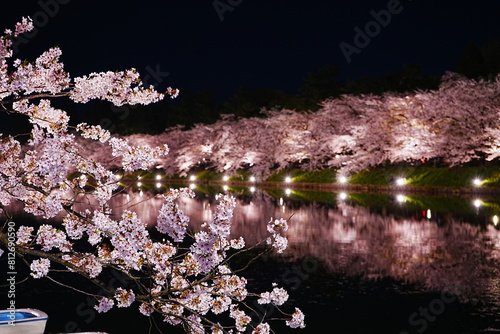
{"type": "Point", "coordinates": [337, 187]}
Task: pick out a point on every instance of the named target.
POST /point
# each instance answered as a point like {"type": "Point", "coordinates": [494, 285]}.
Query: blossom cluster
{"type": "Point", "coordinates": [93, 132]}
{"type": "Point", "coordinates": [40, 268]}
{"type": "Point", "coordinates": [43, 115]}
{"type": "Point", "coordinates": [276, 240]}
{"type": "Point", "coordinates": [49, 237]}
{"type": "Point", "coordinates": [210, 245]}
{"type": "Point", "coordinates": [277, 297]}
{"type": "Point", "coordinates": [119, 88]}
{"type": "Point", "coordinates": [136, 157]}
{"type": "Point", "coordinates": [171, 219]}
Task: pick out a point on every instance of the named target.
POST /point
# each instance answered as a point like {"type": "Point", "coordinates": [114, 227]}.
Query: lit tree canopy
{"type": "Point", "coordinates": [457, 123]}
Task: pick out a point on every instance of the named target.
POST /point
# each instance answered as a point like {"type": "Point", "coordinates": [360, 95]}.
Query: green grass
{"type": "Point", "coordinates": [322, 176]}
{"type": "Point", "coordinates": [456, 177]}
{"type": "Point", "coordinates": [297, 175]}
{"type": "Point", "coordinates": [429, 176]}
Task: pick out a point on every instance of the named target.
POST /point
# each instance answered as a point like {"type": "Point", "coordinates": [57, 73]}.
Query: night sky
{"type": "Point", "coordinates": [273, 44]}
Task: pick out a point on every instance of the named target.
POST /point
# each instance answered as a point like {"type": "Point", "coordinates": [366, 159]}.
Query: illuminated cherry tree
{"type": "Point", "coordinates": [458, 122]}
{"type": "Point", "coordinates": [186, 278]}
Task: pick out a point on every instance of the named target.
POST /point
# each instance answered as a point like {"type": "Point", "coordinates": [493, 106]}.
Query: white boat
{"type": "Point", "coordinates": [22, 321]}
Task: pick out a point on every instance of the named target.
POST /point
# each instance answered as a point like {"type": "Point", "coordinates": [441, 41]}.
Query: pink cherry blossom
{"type": "Point", "coordinates": [40, 268]}
{"type": "Point", "coordinates": [24, 234]}
{"type": "Point", "coordinates": [124, 298]}
{"type": "Point", "coordinates": [277, 297]}
{"type": "Point", "coordinates": [105, 304]}
{"type": "Point", "coordinates": [297, 320]}
{"type": "Point", "coordinates": [263, 328]}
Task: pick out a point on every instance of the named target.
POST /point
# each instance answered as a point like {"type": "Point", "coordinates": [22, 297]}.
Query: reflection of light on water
{"type": "Point", "coordinates": [288, 192]}
{"type": "Point", "coordinates": [281, 200]}
{"type": "Point", "coordinates": [206, 212]}
{"type": "Point", "coordinates": [250, 212]}
{"type": "Point", "coordinates": [252, 189]}
{"type": "Point", "coordinates": [429, 216]}
{"type": "Point", "coordinates": [401, 198]}
{"type": "Point", "coordinates": [495, 220]}
{"type": "Point", "coordinates": [343, 196]}
{"type": "Point", "coordinates": [225, 188]}
{"type": "Point", "coordinates": [192, 186]}
{"type": "Point", "coordinates": [477, 203]}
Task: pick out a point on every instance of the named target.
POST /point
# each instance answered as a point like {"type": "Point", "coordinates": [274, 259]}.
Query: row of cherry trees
{"type": "Point", "coordinates": [458, 122]}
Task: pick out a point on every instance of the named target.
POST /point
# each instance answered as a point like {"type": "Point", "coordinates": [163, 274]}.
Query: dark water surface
{"type": "Point", "coordinates": [356, 263]}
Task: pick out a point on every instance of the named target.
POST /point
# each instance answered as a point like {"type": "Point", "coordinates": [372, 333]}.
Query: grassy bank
{"type": "Point", "coordinates": [456, 177]}
{"type": "Point", "coordinates": [423, 176]}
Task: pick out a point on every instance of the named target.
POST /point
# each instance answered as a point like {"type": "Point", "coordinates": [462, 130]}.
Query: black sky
{"type": "Point", "coordinates": [258, 43]}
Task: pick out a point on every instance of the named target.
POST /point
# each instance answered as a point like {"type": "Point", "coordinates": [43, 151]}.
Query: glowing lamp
{"type": "Point", "coordinates": [401, 198]}
{"type": "Point", "coordinates": [225, 177]}
{"type": "Point", "coordinates": [288, 179]}
{"type": "Point", "coordinates": [343, 179]}
{"type": "Point", "coordinates": [477, 182]}
{"type": "Point", "coordinates": [192, 177]}
{"type": "Point", "coordinates": [252, 179]}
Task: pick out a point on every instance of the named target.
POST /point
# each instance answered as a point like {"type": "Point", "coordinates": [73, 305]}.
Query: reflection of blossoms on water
{"type": "Point", "coordinates": [456, 257]}
{"type": "Point", "coordinates": [453, 255]}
